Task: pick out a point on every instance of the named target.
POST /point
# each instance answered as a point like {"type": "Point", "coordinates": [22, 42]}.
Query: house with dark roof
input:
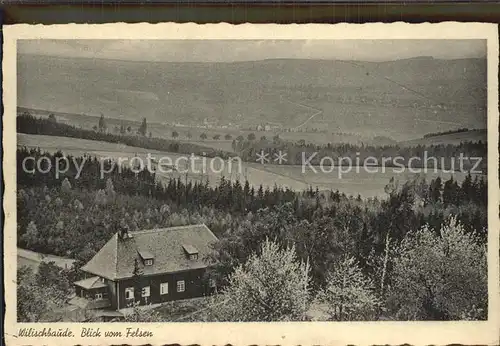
{"type": "Point", "coordinates": [164, 264]}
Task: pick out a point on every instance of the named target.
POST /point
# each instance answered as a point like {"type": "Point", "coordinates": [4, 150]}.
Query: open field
{"type": "Point", "coordinates": [79, 147]}
{"type": "Point", "coordinates": [352, 183]}
{"type": "Point", "coordinates": [224, 145]}
{"type": "Point", "coordinates": [357, 181]}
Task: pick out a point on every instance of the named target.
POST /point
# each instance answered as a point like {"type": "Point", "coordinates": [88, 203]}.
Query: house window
{"type": "Point", "coordinates": [164, 288]}
{"type": "Point", "coordinates": [181, 286]}
{"type": "Point", "coordinates": [98, 296]}
{"type": "Point", "coordinates": [129, 293]}
{"type": "Point", "coordinates": [148, 262]}
{"type": "Point", "coordinates": [145, 291]}
{"type": "Point", "coordinates": [211, 282]}
{"type": "Point", "coordinates": [193, 257]}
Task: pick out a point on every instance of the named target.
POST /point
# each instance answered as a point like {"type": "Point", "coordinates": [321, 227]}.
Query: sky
{"type": "Point", "coordinates": [248, 50]}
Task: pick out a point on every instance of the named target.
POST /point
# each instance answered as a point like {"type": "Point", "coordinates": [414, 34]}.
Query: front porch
{"type": "Point", "coordinates": [92, 293]}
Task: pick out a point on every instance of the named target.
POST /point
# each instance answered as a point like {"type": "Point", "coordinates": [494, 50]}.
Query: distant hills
{"type": "Point", "coordinates": [401, 99]}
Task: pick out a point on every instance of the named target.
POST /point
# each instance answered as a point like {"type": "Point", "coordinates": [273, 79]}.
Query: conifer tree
{"type": "Point", "coordinates": [448, 192]}
{"type": "Point", "coordinates": [102, 124]}
{"type": "Point", "coordinates": [143, 129]}
{"type": "Point", "coordinates": [467, 188]}
{"type": "Point", "coordinates": [435, 189]}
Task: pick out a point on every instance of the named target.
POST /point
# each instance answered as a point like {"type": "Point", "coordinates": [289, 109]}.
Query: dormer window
{"type": "Point", "coordinates": [191, 252]}
{"type": "Point", "coordinates": [147, 257]}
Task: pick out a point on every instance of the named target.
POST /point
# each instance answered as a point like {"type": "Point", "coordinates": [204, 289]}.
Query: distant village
{"type": "Point", "coordinates": [267, 127]}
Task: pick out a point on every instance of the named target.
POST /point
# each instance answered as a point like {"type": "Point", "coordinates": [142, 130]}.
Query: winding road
{"type": "Point", "coordinates": [318, 111]}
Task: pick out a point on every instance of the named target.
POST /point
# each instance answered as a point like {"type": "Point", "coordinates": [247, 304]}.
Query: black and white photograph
{"type": "Point", "coordinates": [251, 180]}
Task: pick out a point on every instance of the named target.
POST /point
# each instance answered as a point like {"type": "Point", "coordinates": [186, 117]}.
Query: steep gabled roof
{"type": "Point", "coordinates": [104, 263]}
{"type": "Point", "coordinates": [116, 258]}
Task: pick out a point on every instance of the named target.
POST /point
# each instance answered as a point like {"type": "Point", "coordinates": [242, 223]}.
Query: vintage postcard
{"type": "Point", "coordinates": [251, 184]}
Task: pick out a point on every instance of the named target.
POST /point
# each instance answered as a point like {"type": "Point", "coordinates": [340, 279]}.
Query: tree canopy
{"type": "Point", "coordinates": [270, 286]}
{"type": "Point", "coordinates": [440, 275]}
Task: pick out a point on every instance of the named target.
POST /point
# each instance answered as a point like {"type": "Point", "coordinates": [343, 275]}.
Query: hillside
{"type": "Point", "coordinates": [399, 99]}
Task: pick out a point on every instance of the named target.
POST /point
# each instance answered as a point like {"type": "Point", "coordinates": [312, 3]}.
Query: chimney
{"type": "Point", "coordinates": [123, 231]}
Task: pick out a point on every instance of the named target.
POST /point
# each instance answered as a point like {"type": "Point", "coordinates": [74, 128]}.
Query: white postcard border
{"type": "Point", "coordinates": [304, 333]}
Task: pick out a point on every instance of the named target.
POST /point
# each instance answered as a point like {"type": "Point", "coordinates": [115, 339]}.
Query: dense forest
{"type": "Point", "coordinates": [383, 240]}
{"type": "Point", "coordinates": [442, 156]}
